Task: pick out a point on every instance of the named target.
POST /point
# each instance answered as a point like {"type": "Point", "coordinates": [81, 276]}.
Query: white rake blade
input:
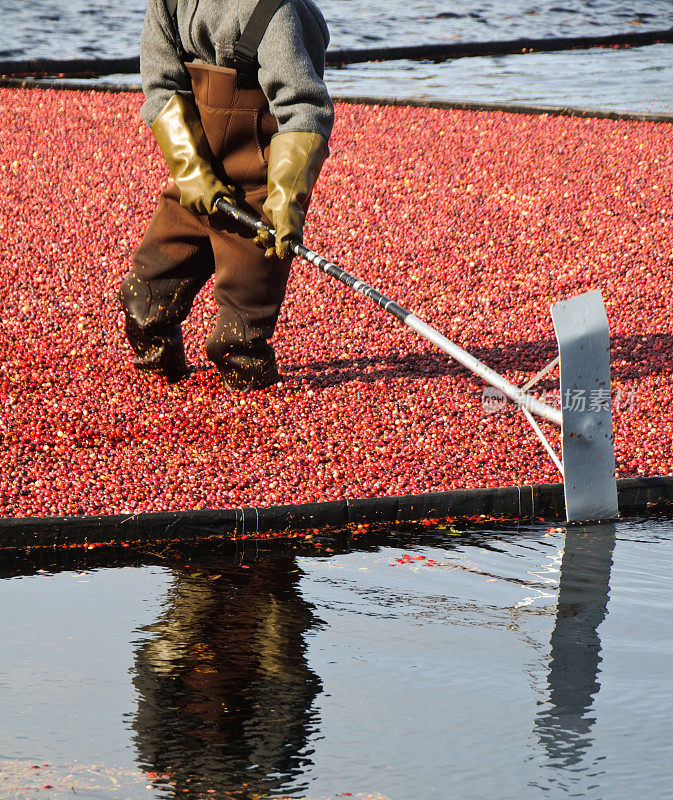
{"type": "Point", "coordinates": [587, 440]}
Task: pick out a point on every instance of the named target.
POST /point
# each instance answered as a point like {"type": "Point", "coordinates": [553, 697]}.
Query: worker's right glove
{"type": "Point", "coordinates": [295, 161]}
{"type": "Point", "coordinates": [179, 132]}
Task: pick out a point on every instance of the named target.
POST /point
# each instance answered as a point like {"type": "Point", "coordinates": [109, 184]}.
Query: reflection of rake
{"type": "Point", "coordinates": [585, 416]}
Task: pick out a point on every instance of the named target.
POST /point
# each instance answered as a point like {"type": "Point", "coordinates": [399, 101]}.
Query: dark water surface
{"type": "Point", "coordinates": [489, 664]}
{"type": "Point", "coordinates": [632, 80]}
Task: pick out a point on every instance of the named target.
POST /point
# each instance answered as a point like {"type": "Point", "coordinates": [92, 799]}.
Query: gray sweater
{"type": "Point", "coordinates": [291, 56]}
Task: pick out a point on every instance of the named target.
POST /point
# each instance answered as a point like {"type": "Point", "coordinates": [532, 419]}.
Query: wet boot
{"type": "Point", "coordinates": [243, 367]}
{"type": "Point", "coordinates": [153, 328]}
{"type": "Point", "coordinates": [163, 354]}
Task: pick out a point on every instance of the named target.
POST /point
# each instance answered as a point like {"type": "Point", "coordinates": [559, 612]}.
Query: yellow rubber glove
{"type": "Point", "coordinates": [295, 161]}
{"type": "Point", "coordinates": [179, 132]}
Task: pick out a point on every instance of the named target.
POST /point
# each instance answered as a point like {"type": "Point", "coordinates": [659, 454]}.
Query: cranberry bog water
{"type": "Point", "coordinates": [425, 661]}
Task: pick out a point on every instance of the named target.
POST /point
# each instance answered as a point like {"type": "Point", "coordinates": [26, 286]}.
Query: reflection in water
{"type": "Point", "coordinates": [225, 691]}
{"type": "Point", "coordinates": [564, 727]}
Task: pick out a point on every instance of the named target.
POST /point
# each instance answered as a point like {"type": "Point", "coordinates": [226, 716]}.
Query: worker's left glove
{"type": "Point", "coordinates": [295, 161]}
{"type": "Point", "coordinates": [179, 132]}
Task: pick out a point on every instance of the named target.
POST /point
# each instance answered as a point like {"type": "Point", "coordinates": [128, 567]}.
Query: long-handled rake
{"type": "Point", "coordinates": [585, 416]}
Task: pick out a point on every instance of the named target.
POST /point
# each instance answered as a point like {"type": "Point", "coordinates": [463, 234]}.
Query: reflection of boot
{"type": "Point", "coordinates": [224, 689]}
{"type": "Point", "coordinates": [153, 326]}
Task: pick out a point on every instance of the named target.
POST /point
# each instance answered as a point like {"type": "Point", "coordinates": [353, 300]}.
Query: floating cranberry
{"type": "Point", "coordinates": [476, 221]}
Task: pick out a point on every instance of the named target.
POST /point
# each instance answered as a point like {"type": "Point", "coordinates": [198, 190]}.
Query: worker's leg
{"type": "Point", "coordinates": [249, 290]}
{"type": "Point", "coordinates": [171, 265]}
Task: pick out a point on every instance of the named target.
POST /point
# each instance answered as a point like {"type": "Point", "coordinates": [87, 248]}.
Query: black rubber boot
{"type": "Point", "coordinates": [241, 352]}
{"type": "Point", "coordinates": [244, 367]}
{"type": "Point", "coordinates": [162, 354]}
{"type": "Point", "coordinates": [153, 328]}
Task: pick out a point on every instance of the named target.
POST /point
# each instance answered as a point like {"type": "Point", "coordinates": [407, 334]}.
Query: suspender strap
{"type": "Point", "coordinates": [172, 8]}
{"type": "Point", "coordinates": [245, 49]}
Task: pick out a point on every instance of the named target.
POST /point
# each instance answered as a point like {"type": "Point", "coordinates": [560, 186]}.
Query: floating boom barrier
{"type": "Point", "coordinates": [585, 415]}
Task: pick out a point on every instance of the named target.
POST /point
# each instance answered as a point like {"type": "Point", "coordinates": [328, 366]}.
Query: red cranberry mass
{"type": "Point", "coordinates": [475, 221]}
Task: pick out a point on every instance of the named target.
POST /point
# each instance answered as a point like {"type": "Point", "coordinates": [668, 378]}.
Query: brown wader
{"type": "Point", "coordinates": [181, 250]}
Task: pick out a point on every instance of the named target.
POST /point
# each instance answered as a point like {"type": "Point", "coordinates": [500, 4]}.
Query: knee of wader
{"type": "Point", "coordinates": [156, 305]}
{"type": "Point", "coordinates": [135, 296]}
